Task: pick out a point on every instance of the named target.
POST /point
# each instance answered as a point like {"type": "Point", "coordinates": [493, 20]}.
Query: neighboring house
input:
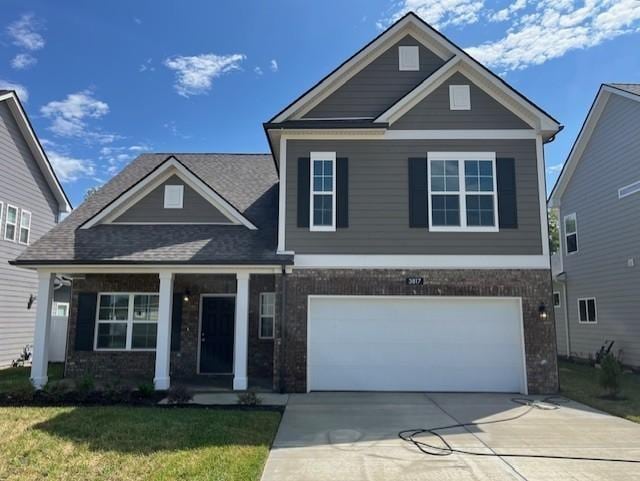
{"type": "Point", "coordinates": [396, 239]}
{"type": "Point", "coordinates": [31, 201]}
{"type": "Point", "coordinates": [597, 271]}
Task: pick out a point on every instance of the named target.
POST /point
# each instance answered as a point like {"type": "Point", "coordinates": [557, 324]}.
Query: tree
{"type": "Point", "coordinates": [554, 234]}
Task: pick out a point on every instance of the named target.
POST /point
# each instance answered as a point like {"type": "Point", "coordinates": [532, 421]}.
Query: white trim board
{"type": "Point", "coordinates": [171, 166]}
{"type": "Point", "coordinates": [70, 269]}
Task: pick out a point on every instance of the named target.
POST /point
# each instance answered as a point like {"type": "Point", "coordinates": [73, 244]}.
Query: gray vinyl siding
{"type": "Point", "coordinates": [608, 234]}
{"type": "Point", "coordinates": [559, 313]}
{"type": "Point", "coordinates": [379, 201]}
{"type": "Point", "coordinates": [22, 185]}
{"type": "Point", "coordinates": [151, 207]}
{"type": "Point", "coordinates": [377, 86]}
{"type": "Point", "coordinates": [434, 112]}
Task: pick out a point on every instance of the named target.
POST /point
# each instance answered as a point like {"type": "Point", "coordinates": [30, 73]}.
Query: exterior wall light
{"type": "Point", "coordinates": [186, 295]}
{"type": "Point", "coordinates": [542, 311]}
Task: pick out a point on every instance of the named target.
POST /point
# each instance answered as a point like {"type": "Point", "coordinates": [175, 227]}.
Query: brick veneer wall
{"type": "Point", "coordinates": [533, 286]}
{"type": "Point", "coordinates": [138, 366]}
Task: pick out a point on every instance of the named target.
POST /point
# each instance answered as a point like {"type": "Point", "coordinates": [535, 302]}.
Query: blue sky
{"type": "Point", "coordinates": [104, 81]}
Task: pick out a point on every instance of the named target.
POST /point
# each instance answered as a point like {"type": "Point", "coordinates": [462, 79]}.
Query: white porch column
{"type": "Point", "coordinates": [241, 343]}
{"type": "Point", "coordinates": [161, 380]}
{"type": "Point", "coordinates": [40, 359]}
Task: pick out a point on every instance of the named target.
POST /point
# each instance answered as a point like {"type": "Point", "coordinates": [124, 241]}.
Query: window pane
{"type": "Point", "coordinates": [143, 335]}
{"type": "Point", "coordinates": [591, 310]}
{"type": "Point", "coordinates": [444, 176]}
{"type": "Point", "coordinates": [583, 311]}
{"type": "Point", "coordinates": [327, 168]}
{"type": "Point", "coordinates": [445, 210]}
{"type": "Point", "coordinates": [267, 304]}
{"type": "Point", "coordinates": [322, 210]}
{"type": "Point", "coordinates": [266, 327]}
{"type": "Point", "coordinates": [480, 210]}
{"type": "Point", "coordinates": [572, 243]}
{"type": "Point", "coordinates": [24, 235]}
{"type": "Point", "coordinates": [317, 167]}
{"type": "Point", "coordinates": [323, 175]}
{"type": "Point", "coordinates": [570, 225]}
{"type": "Point", "coordinates": [478, 175]}
{"type": "Point", "coordinates": [437, 167]}
{"type": "Point", "coordinates": [10, 231]}
{"type": "Point", "coordinates": [112, 336]}
{"type": "Point", "coordinates": [12, 215]}
{"type": "Point", "coordinates": [451, 167]}
{"type": "Point", "coordinates": [114, 307]}
{"type": "Point", "coordinates": [25, 220]}
{"type": "Point", "coordinates": [556, 299]}
{"type": "Point", "coordinates": [145, 308]}
{"type": "Point", "coordinates": [437, 184]}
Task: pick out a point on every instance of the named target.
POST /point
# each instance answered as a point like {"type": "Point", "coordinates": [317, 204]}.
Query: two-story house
{"type": "Point", "coordinates": [31, 201]}
{"type": "Point", "coordinates": [597, 195]}
{"type": "Point", "coordinates": [394, 239]}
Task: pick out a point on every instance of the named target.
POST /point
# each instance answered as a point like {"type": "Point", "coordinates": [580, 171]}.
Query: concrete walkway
{"type": "Point", "coordinates": [354, 436]}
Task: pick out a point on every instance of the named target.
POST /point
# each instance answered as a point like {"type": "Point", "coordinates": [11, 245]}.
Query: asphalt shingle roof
{"type": "Point", "coordinates": [247, 181]}
{"type": "Point", "coordinates": [631, 88]}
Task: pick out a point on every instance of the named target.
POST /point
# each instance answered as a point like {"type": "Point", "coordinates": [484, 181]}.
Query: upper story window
{"type": "Point", "coordinates": [409, 58]}
{"type": "Point", "coordinates": [462, 191]}
{"type": "Point", "coordinates": [459, 97]}
{"type": "Point", "coordinates": [173, 196]}
{"type": "Point", "coordinates": [25, 227]}
{"type": "Point", "coordinates": [267, 314]}
{"type": "Point", "coordinates": [571, 233]}
{"type": "Point", "coordinates": [11, 222]}
{"type": "Point", "coordinates": [126, 321]}
{"type": "Point", "coordinates": [322, 208]}
{"type": "Point", "coordinates": [587, 311]}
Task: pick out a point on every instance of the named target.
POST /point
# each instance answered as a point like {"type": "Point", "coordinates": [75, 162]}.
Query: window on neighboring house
{"type": "Point", "coordinates": [571, 233]}
{"type": "Point", "coordinates": [127, 321]}
{"type": "Point", "coordinates": [587, 310]}
{"type": "Point", "coordinates": [1, 212]}
{"type": "Point", "coordinates": [462, 190]}
{"type": "Point", "coordinates": [409, 57]}
{"type": "Point", "coordinates": [323, 191]}
{"type": "Point", "coordinates": [459, 97]}
{"type": "Point", "coordinates": [11, 223]}
{"type": "Point", "coordinates": [267, 314]}
{"type": "Point", "coordinates": [173, 196]}
{"type": "Point", "coordinates": [60, 309]}
{"type": "Point", "coordinates": [25, 227]}
{"type": "Point", "coordinates": [556, 299]}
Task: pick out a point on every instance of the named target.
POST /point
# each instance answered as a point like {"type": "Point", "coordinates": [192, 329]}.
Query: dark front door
{"type": "Point", "coordinates": [216, 336]}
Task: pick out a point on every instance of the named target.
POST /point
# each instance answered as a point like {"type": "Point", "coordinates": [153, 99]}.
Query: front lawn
{"type": "Point", "coordinates": [15, 379]}
{"type": "Point", "coordinates": [580, 383]}
{"type": "Point", "coordinates": [128, 443]}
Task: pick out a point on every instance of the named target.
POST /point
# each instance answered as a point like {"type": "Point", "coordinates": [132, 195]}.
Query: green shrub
{"type": "Point", "coordinates": [610, 375]}
{"type": "Point", "coordinates": [146, 390]}
{"type": "Point", "coordinates": [86, 384]}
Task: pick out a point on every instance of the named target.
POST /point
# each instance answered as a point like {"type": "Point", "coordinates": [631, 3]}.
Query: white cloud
{"type": "Point", "coordinates": [273, 65]}
{"type": "Point", "coordinates": [146, 65]}
{"type": "Point", "coordinates": [439, 13]}
{"type": "Point", "coordinates": [554, 169]}
{"type": "Point", "coordinates": [24, 33]}
{"type": "Point", "coordinates": [195, 74]}
{"type": "Point", "coordinates": [556, 27]}
{"type": "Point", "coordinates": [139, 148]}
{"type": "Point", "coordinates": [70, 169]}
{"type": "Point", "coordinates": [69, 116]}
{"type": "Point", "coordinates": [21, 90]}
{"type": "Point", "coordinates": [506, 13]}
{"type": "Point", "coordinates": [258, 70]}
{"type": "Point", "coordinates": [23, 61]}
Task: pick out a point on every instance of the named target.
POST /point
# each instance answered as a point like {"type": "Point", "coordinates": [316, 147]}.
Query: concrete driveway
{"type": "Point", "coordinates": [354, 436]}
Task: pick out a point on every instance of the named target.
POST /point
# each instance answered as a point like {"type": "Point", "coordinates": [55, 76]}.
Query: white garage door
{"type": "Point", "coordinates": [415, 344]}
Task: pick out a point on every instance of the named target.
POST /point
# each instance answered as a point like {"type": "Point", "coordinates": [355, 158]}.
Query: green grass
{"type": "Point", "coordinates": [126, 443]}
{"type": "Point", "coordinates": [17, 378]}
{"type": "Point", "coordinates": [580, 383]}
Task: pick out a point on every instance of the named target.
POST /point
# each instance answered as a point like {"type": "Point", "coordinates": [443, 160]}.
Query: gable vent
{"type": "Point", "coordinates": [459, 97]}
{"type": "Point", "coordinates": [173, 196]}
{"type": "Point", "coordinates": [409, 58]}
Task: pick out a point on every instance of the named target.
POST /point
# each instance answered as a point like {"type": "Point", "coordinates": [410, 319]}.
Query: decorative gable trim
{"type": "Point", "coordinates": [581, 142]}
{"type": "Point", "coordinates": [171, 166]}
{"type": "Point", "coordinates": [20, 116]}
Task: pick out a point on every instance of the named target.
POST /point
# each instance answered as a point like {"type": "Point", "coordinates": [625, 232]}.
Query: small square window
{"type": "Point", "coordinates": [173, 196]}
{"type": "Point", "coordinates": [409, 58]}
{"type": "Point", "coordinates": [459, 97]}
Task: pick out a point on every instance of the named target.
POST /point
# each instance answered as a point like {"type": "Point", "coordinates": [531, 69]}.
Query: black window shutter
{"type": "Point", "coordinates": [86, 320]}
{"type": "Point", "coordinates": [507, 202]}
{"type": "Point", "coordinates": [418, 195]}
{"type": "Point", "coordinates": [342, 192]}
{"type": "Point", "coordinates": [176, 322]}
{"type": "Point", "coordinates": [303, 191]}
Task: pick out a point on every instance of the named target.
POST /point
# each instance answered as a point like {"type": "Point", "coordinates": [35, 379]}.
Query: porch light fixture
{"type": "Point", "coordinates": [186, 295]}
{"type": "Point", "coordinates": [542, 311]}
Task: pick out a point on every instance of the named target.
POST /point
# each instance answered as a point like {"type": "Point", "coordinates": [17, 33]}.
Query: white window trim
{"type": "Point", "coordinates": [628, 190]}
{"type": "Point", "coordinates": [462, 193]}
{"type": "Point", "coordinates": [22, 213]}
{"type": "Point", "coordinates": [556, 293]}
{"type": "Point", "coordinates": [179, 188]}
{"type": "Point", "coordinates": [129, 322]}
{"type": "Point", "coordinates": [1, 212]}
{"type": "Point", "coordinates": [404, 63]}
{"type": "Point", "coordinates": [322, 156]}
{"type": "Point", "coordinates": [452, 97]}
{"type": "Point", "coordinates": [566, 234]}
{"type": "Point", "coordinates": [7, 223]}
{"type": "Point", "coordinates": [261, 317]}
{"type": "Point", "coordinates": [595, 308]}
{"type": "Point", "coordinates": [54, 308]}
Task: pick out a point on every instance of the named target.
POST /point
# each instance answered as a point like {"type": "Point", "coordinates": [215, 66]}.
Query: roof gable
{"type": "Point", "coordinates": [584, 136]}
{"type": "Point", "coordinates": [171, 167]}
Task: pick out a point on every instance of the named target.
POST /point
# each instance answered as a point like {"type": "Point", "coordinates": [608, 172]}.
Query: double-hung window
{"type": "Point", "coordinates": [571, 233]}
{"type": "Point", "coordinates": [11, 223]}
{"type": "Point", "coordinates": [1, 212]}
{"type": "Point", "coordinates": [587, 311]}
{"type": "Point", "coordinates": [126, 321]}
{"type": "Point", "coordinates": [462, 191]}
{"type": "Point", "coordinates": [267, 314]}
{"type": "Point", "coordinates": [25, 227]}
{"type": "Point", "coordinates": [322, 208]}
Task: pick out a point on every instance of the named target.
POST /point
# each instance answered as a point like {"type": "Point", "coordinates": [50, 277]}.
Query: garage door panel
{"type": "Point", "coordinates": [415, 344]}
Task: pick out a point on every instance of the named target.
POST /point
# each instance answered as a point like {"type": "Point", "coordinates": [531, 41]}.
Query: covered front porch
{"type": "Point", "coordinates": [204, 327]}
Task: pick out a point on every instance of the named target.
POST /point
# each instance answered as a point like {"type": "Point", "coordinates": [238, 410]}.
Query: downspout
{"type": "Point", "coordinates": [283, 327]}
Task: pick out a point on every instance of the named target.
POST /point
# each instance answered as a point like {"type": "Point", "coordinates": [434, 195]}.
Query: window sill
{"type": "Point", "coordinates": [322, 229]}
{"type": "Point", "coordinates": [102, 349]}
{"type": "Point", "coordinates": [463, 229]}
